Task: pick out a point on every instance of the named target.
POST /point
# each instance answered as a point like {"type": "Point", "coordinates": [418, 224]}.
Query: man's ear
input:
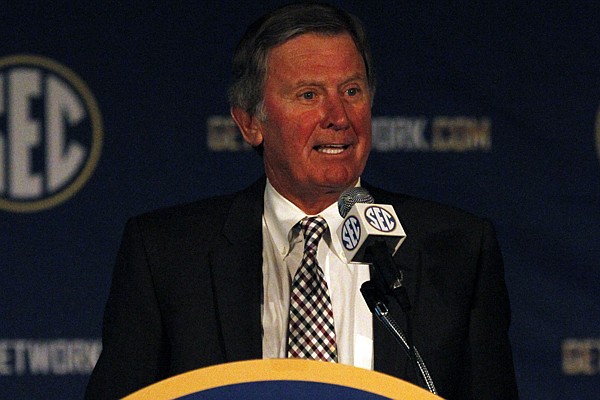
{"type": "Point", "coordinates": [249, 125]}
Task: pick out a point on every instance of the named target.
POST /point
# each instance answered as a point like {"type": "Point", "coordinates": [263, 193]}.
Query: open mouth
{"type": "Point", "coordinates": [331, 148]}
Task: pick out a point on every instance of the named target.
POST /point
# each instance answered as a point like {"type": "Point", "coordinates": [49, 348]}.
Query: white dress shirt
{"type": "Point", "coordinates": [283, 246]}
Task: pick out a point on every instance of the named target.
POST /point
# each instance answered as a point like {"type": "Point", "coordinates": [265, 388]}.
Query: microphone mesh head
{"type": "Point", "coordinates": [350, 197]}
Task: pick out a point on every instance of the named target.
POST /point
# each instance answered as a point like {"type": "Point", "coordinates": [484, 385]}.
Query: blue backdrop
{"type": "Point", "coordinates": [108, 110]}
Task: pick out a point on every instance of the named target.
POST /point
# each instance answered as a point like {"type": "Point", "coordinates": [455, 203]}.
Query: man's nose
{"type": "Point", "coordinates": [335, 115]}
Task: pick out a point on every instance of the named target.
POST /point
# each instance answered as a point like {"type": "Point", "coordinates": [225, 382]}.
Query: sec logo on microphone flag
{"type": "Point", "coordinates": [351, 233]}
{"type": "Point", "coordinates": [380, 219]}
{"type": "Point", "coordinates": [366, 223]}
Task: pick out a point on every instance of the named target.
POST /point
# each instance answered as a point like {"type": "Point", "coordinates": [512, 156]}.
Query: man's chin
{"type": "Point", "coordinates": [331, 186]}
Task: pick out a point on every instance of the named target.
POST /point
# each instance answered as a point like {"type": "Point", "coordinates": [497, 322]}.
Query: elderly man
{"type": "Point", "coordinates": [228, 278]}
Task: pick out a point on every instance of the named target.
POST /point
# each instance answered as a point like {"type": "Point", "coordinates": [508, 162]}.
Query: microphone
{"type": "Point", "coordinates": [366, 223]}
{"type": "Point", "coordinates": [371, 233]}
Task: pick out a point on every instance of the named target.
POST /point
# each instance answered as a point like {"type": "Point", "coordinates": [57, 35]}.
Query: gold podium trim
{"type": "Point", "coordinates": [281, 369]}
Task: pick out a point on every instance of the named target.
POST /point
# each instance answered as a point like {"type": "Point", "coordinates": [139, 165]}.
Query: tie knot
{"type": "Point", "coordinates": [313, 229]}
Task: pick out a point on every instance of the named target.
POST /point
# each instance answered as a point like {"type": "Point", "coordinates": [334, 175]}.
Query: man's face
{"type": "Point", "coordinates": [317, 132]}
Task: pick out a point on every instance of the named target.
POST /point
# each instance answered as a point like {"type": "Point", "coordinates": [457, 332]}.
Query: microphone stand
{"type": "Point", "coordinates": [386, 280]}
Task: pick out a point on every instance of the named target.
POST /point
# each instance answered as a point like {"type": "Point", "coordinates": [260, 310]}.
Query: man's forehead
{"type": "Point", "coordinates": [316, 35]}
{"type": "Point", "coordinates": [304, 46]}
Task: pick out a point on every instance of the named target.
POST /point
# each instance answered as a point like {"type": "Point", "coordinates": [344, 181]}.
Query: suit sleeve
{"type": "Point", "coordinates": [490, 373]}
{"type": "Point", "coordinates": [134, 353]}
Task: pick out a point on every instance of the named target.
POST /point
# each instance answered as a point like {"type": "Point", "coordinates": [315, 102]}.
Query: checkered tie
{"type": "Point", "coordinates": [311, 329]}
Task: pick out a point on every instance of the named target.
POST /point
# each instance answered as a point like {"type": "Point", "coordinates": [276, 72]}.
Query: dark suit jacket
{"type": "Point", "coordinates": [187, 287]}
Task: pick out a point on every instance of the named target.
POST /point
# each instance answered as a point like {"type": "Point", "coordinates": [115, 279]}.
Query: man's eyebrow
{"type": "Point", "coordinates": [308, 83]}
{"type": "Point", "coordinates": [355, 77]}
{"type": "Point", "coordinates": [316, 82]}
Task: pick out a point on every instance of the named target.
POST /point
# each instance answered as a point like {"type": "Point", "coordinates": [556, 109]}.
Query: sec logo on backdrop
{"type": "Point", "coordinates": [50, 133]}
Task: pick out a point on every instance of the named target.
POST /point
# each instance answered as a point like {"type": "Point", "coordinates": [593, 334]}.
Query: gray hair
{"type": "Point", "coordinates": [251, 55]}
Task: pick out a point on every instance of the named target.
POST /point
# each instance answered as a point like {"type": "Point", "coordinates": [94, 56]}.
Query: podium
{"type": "Point", "coordinates": [279, 379]}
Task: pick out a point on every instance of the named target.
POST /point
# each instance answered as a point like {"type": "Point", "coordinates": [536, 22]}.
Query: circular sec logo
{"type": "Point", "coordinates": [50, 133]}
{"type": "Point", "coordinates": [380, 219]}
{"type": "Point", "coordinates": [351, 233]}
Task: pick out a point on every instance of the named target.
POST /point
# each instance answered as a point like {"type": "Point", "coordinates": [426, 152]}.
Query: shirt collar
{"type": "Point", "coordinates": [281, 215]}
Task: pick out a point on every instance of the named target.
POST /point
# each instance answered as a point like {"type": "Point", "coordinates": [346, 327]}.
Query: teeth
{"type": "Point", "coordinates": [331, 149]}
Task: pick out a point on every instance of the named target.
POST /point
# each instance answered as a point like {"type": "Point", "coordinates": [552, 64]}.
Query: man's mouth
{"type": "Point", "coordinates": [332, 148]}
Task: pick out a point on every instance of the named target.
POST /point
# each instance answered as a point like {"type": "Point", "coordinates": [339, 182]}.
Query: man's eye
{"type": "Point", "coordinates": [352, 91]}
{"type": "Point", "coordinates": [308, 95]}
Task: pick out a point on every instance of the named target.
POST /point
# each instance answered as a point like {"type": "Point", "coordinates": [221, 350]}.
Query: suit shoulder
{"type": "Point", "coordinates": [426, 212]}
{"type": "Point", "coordinates": [207, 210]}
{"type": "Point", "coordinates": [204, 209]}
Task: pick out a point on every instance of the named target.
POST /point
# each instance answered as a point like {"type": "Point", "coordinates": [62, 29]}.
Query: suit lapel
{"type": "Point", "coordinates": [237, 275]}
